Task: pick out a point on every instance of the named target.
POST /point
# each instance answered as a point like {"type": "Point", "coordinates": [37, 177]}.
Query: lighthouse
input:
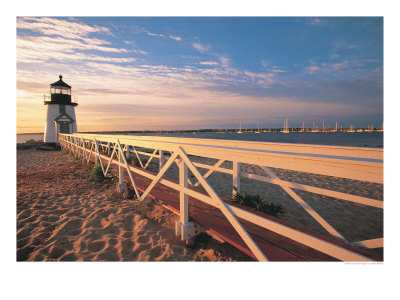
{"type": "Point", "coordinates": [60, 117]}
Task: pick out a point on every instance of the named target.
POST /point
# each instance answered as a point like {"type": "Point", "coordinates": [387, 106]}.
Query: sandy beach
{"type": "Point", "coordinates": [61, 216]}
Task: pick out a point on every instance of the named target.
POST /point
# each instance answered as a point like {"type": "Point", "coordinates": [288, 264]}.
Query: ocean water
{"type": "Point", "coordinates": [351, 139]}
{"type": "Point", "coordinates": [22, 138]}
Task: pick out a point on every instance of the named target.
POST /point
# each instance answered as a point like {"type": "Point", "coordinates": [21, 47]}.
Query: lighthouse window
{"type": "Point", "coordinates": [60, 90]}
{"type": "Point", "coordinates": [62, 108]}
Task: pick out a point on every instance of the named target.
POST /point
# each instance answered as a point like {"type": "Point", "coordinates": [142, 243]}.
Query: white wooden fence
{"type": "Point", "coordinates": [364, 164]}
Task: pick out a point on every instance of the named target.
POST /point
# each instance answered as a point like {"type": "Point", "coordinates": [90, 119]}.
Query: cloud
{"type": "Point", "coordinates": [265, 63]}
{"type": "Point", "coordinates": [225, 60]}
{"type": "Point", "coordinates": [66, 40]}
{"type": "Point", "coordinates": [353, 66]}
{"type": "Point", "coordinates": [312, 69]}
{"type": "Point", "coordinates": [263, 79]}
{"type": "Point", "coordinates": [209, 63]}
{"type": "Point", "coordinates": [36, 49]}
{"type": "Point", "coordinates": [137, 29]}
{"type": "Point", "coordinates": [313, 21]}
{"type": "Point", "coordinates": [201, 47]}
{"type": "Point", "coordinates": [176, 38]}
{"type": "Point", "coordinates": [339, 44]}
{"type": "Point", "coordinates": [278, 71]}
{"type": "Point", "coordinates": [59, 27]}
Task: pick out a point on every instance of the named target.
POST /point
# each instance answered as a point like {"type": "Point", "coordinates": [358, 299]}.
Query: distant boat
{"type": "Point", "coordinates": [351, 129]}
{"type": "Point", "coordinates": [336, 128]}
{"type": "Point", "coordinates": [314, 127]}
{"type": "Point", "coordinates": [258, 130]}
{"type": "Point", "coordinates": [285, 127]}
{"type": "Point", "coordinates": [240, 128]}
{"type": "Point", "coordinates": [370, 128]}
{"type": "Point", "coordinates": [302, 127]}
{"type": "Point", "coordinates": [381, 130]}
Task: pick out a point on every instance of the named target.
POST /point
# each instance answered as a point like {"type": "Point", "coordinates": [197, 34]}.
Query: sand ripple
{"type": "Point", "coordinates": [61, 217]}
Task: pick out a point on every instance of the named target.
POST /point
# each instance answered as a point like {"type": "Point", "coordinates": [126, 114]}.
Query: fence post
{"type": "Point", "coordinates": [122, 186]}
{"type": "Point", "coordinates": [76, 141]}
{"type": "Point", "coordinates": [128, 152]}
{"type": "Point", "coordinates": [84, 148]}
{"type": "Point", "coordinates": [108, 149]}
{"type": "Point", "coordinates": [184, 228]}
{"type": "Point", "coordinates": [161, 160]}
{"type": "Point", "coordinates": [183, 197]}
{"type": "Point", "coordinates": [97, 158]}
{"type": "Point", "coordinates": [236, 178]}
{"type": "Point", "coordinates": [78, 144]}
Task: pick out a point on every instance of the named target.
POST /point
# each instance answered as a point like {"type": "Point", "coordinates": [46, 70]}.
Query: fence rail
{"type": "Point", "coordinates": [364, 164]}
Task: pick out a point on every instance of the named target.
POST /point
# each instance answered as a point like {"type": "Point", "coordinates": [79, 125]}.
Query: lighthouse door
{"type": "Point", "coordinates": [64, 128]}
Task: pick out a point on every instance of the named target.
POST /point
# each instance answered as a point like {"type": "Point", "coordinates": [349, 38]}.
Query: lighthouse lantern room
{"type": "Point", "coordinates": [60, 111]}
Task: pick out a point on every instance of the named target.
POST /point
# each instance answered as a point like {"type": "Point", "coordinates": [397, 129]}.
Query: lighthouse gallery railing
{"type": "Point", "coordinates": [365, 164]}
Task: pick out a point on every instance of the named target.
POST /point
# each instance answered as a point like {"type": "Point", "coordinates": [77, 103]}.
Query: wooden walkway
{"type": "Point", "coordinates": [275, 246]}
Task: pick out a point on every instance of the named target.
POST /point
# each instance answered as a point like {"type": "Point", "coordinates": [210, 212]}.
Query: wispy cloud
{"type": "Point", "coordinates": [225, 60]}
{"type": "Point", "coordinates": [137, 29]}
{"type": "Point", "coordinates": [41, 48]}
{"type": "Point", "coordinates": [65, 40]}
{"type": "Point", "coordinates": [71, 28]}
{"type": "Point", "coordinates": [264, 79]}
{"type": "Point", "coordinates": [174, 37]}
{"type": "Point", "coordinates": [312, 69]}
{"type": "Point", "coordinates": [349, 66]}
{"type": "Point", "coordinates": [313, 21]}
{"type": "Point", "coordinates": [201, 47]}
{"type": "Point", "coordinates": [209, 63]}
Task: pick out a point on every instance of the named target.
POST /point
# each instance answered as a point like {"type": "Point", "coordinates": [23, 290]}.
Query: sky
{"type": "Point", "coordinates": [167, 73]}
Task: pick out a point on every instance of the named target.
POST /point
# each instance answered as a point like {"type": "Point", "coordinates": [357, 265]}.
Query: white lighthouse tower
{"type": "Point", "coordinates": [60, 111]}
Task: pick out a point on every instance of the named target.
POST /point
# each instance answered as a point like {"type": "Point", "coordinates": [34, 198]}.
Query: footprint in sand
{"type": "Point", "coordinates": [24, 214]}
{"type": "Point", "coordinates": [96, 246]}
{"type": "Point", "coordinates": [69, 228]}
{"type": "Point", "coordinates": [144, 256]}
{"type": "Point", "coordinates": [69, 257]}
{"type": "Point", "coordinates": [127, 249]}
{"type": "Point", "coordinates": [161, 252]}
{"type": "Point", "coordinates": [143, 239]}
{"type": "Point", "coordinates": [56, 252]}
{"type": "Point", "coordinates": [110, 254]}
{"type": "Point", "coordinates": [24, 253]}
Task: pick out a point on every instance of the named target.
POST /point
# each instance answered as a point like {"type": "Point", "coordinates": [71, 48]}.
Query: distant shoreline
{"type": "Point", "coordinates": [356, 139]}
{"type": "Point", "coordinates": [30, 133]}
{"type": "Point", "coordinates": [294, 129]}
